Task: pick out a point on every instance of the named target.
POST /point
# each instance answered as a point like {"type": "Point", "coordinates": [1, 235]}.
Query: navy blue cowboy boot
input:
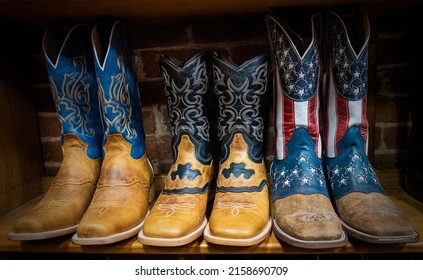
{"type": "Point", "coordinates": [179, 214]}
{"type": "Point", "coordinates": [72, 79]}
{"type": "Point", "coordinates": [120, 202]}
{"type": "Point", "coordinates": [367, 213]}
{"type": "Point", "coordinates": [240, 214]}
{"type": "Point", "coordinates": [303, 214]}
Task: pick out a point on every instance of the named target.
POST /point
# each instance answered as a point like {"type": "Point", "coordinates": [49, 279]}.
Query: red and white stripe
{"type": "Point", "coordinates": [341, 114]}
{"type": "Point", "coordinates": [290, 114]}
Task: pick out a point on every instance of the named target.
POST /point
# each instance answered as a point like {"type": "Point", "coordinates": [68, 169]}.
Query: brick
{"type": "Point", "coordinates": [378, 140]}
{"type": "Point", "coordinates": [148, 119]}
{"type": "Point", "coordinates": [161, 167]}
{"type": "Point", "coordinates": [49, 126]}
{"type": "Point", "coordinates": [44, 101]}
{"type": "Point", "coordinates": [392, 51]}
{"type": "Point", "coordinates": [52, 151]}
{"type": "Point", "coordinates": [152, 92]}
{"type": "Point", "coordinates": [389, 161]}
{"type": "Point", "coordinates": [159, 148]}
{"type": "Point", "coordinates": [151, 59]}
{"type": "Point", "coordinates": [396, 137]}
{"type": "Point", "coordinates": [392, 110]}
{"type": "Point", "coordinates": [163, 36]}
{"type": "Point", "coordinates": [394, 81]}
{"type": "Point", "coordinates": [240, 54]}
{"type": "Point", "coordinates": [229, 32]}
{"type": "Point", "coordinates": [51, 170]}
{"type": "Point", "coordinates": [392, 22]}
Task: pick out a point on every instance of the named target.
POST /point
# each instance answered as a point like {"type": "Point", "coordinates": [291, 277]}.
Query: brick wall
{"type": "Point", "coordinates": [392, 120]}
{"type": "Point", "coordinates": [237, 42]}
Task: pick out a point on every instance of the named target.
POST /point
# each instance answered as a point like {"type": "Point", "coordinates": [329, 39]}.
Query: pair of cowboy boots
{"type": "Point", "coordinates": [240, 212]}
{"type": "Point", "coordinates": [101, 189]}
{"type": "Point", "coordinates": [304, 164]}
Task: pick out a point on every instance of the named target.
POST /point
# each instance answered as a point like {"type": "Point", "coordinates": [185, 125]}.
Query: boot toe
{"type": "Point", "coordinates": [307, 217]}
{"type": "Point", "coordinates": [374, 214]}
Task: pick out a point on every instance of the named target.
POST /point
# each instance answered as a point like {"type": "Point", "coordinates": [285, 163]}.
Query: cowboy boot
{"type": "Point", "coordinates": [303, 215]}
{"type": "Point", "coordinates": [71, 75]}
{"type": "Point", "coordinates": [240, 213]}
{"type": "Point", "coordinates": [366, 211]}
{"type": "Point", "coordinates": [179, 214]}
{"type": "Point", "coordinates": [120, 202]}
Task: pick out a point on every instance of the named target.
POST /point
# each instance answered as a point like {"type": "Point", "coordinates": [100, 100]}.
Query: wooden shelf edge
{"type": "Point", "coordinates": [154, 11]}
{"type": "Point", "coordinates": [271, 245]}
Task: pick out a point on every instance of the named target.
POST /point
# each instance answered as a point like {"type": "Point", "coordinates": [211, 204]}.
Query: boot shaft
{"type": "Point", "coordinates": [346, 81]}
{"type": "Point", "coordinates": [188, 99]}
{"type": "Point", "coordinates": [71, 74]}
{"type": "Point", "coordinates": [240, 92]}
{"type": "Point", "coordinates": [296, 74]}
{"type": "Point", "coordinates": [118, 88]}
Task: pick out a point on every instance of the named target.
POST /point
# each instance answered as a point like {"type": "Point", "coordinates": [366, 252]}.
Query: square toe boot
{"type": "Point", "coordinates": [366, 211]}
{"type": "Point", "coordinates": [240, 215]}
{"type": "Point", "coordinates": [68, 58]}
{"type": "Point", "coordinates": [120, 202]}
{"type": "Point", "coordinates": [303, 214]}
{"type": "Point", "coordinates": [178, 216]}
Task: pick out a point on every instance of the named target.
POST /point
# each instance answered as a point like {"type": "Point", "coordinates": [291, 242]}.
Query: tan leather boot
{"type": "Point", "coordinates": [74, 89]}
{"type": "Point", "coordinates": [120, 202]}
{"type": "Point", "coordinates": [179, 214]}
{"type": "Point", "coordinates": [240, 214]}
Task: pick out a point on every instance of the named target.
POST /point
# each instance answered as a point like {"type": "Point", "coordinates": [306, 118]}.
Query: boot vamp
{"type": "Point", "coordinates": [307, 217]}
{"type": "Point", "coordinates": [240, 215]}
{"type": "Point", "coordinates": [374, 214]}
{"type": "Point", "coordinates": [120, 201]}
{"type": "Point", "coordinates": [175, 215]}
{"type": "Point", "coordinates": [70, 193]}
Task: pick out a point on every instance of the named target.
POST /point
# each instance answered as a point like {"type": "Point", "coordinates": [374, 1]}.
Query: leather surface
{"type": "Point", "coordinates": [241, 204]}
{"type": "Point", "coordinates": [120, 201]}
{"type": "Point", "coordinates": [69, 194]}
{"type": "Point", "coordinates": [307, 217]}
{"type": "Point", "coordinates": [374, 214]}
{"type": "Point", "coordinates": [181, 207]}
{"type": "Point", "coordinates": [179, 211]}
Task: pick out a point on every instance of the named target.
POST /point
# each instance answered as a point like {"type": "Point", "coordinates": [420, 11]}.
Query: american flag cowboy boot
{"type": "Point", "coordinates": [303, 214]}
{"type": "Point", "coordinates": [367, 213]}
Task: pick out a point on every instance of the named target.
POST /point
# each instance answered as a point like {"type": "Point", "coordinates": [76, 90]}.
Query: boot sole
{"type": "Point", "coordinates": [238, 242]}
{"type": "Point", "coordinates": [41, 235]}
{"type": "Point", "coordinates": [309, 244]}
{"type": "Point", "coordinates": [172, 242]}
{"type": "Point", "coordinates": [107, 239]}
{"type": "Point", "coordinates": [380, 239]}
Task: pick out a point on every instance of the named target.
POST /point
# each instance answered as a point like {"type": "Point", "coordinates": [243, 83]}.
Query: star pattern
{"type": "Point", "coordinates": [350, 69]}
{"type": "Point", "coordinates": [302, 173]}
{"type": "Point", "coordinates": [356, 170]}
{"type": "Point", "coordinates": [298, 74]}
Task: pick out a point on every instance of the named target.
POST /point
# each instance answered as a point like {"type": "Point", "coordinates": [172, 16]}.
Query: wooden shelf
{"type": "Point", "coordinates": [164, 11]}
{"type": "Point", "coordinates": [390, 179]}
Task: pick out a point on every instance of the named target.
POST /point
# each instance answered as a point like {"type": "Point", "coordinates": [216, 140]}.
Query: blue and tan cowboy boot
{"type": "Point", "coordinates": [179, 214]}
{"type": "Point", "coordinates": [303, 215]}
{"type": "Point", "coordinates": [120, 202]}
{"type": "Point", "coordinates": [72, 79]}
{"type": "Point", "coordinates": [367, 213]}
{"type": "Point", "coordinates": [240, 213]}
